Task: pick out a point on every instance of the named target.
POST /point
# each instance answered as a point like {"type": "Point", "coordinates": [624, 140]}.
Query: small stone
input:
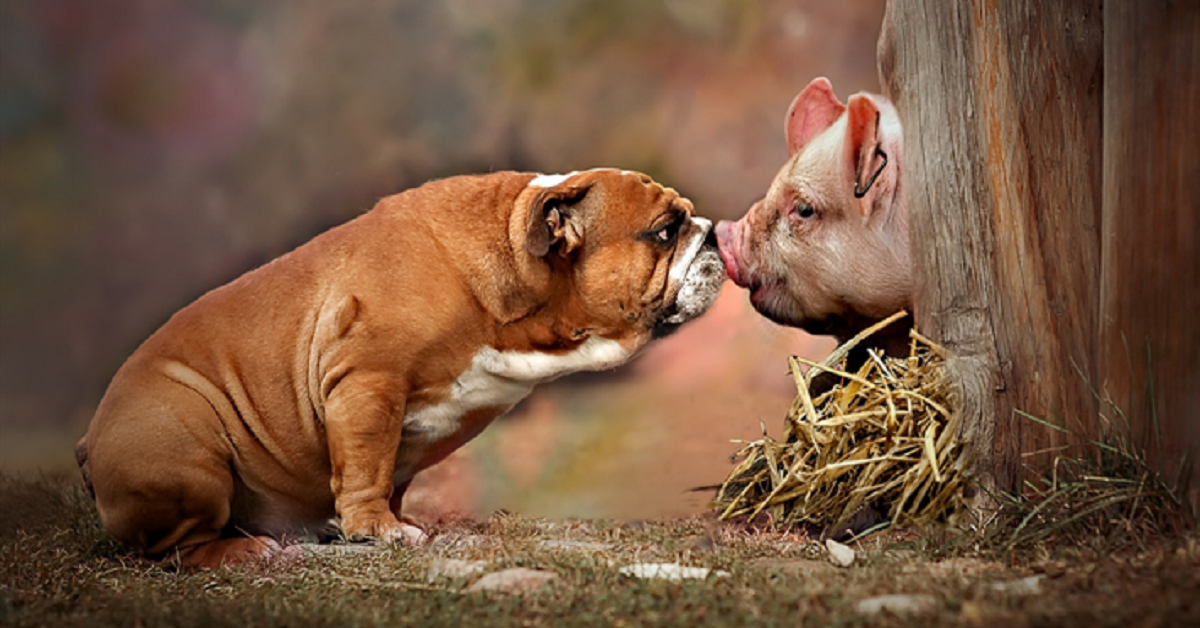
{"type": "Point", "coordinates": [669, 571]}
{"type": "Point", "coordinates": [517, 580]}
{"type": "Point", "coordinates": [900, 604]}
{"type": "Point", "coordinates": [840, 555]}
{"type": "Point", "coordinates": [1025, 586]}
{"type": "Point", "coordinates": [454, 568]}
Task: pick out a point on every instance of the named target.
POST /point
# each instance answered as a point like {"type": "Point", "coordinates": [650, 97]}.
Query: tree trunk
{"type": "Point", "coordinates": [1055, 213]}
{"type": "Point", "coordinates": [1150, 290]}
{"type": "Point", "coordinates": [1001, 103]}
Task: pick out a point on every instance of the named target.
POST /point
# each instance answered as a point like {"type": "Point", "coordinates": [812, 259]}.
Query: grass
{"type": "Point", "coordinates": [58, 568]}
{"type": "Point", "coordinates": [1103, 490]}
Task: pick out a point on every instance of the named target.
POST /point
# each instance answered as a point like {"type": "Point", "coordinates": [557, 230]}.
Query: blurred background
{"type": "Point", "coordinates": [153, 149]}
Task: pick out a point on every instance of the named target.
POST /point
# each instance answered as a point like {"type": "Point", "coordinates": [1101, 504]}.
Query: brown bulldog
{"type": "Point", "coordinates": [322, 382]}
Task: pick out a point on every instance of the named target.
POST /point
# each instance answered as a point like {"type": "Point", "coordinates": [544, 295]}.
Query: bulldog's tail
{"type": "Point", "coordinates": [81, 458]}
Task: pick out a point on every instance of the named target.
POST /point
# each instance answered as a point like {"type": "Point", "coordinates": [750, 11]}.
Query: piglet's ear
{"type": "Point", "coordinates": [863, 158]}
{"type": "Point", "coordinates": [554, 221]}
{"type": "Point", "coordinates": [814, 110]}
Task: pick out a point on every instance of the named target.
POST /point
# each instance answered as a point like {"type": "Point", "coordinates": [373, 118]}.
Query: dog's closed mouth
{"type": "Point", "coordinates": [700, 287]}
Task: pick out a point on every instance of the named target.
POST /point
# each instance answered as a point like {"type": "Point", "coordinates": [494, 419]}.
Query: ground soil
{"type": "Point", "coordinates": [58, 568]}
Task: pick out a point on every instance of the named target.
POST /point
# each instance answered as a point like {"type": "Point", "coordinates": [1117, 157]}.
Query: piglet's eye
{"type": "Point", "coordinates": [804, 210]}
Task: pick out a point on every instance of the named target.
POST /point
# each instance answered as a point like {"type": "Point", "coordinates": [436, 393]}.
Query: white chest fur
{"type": "Point", "coordinates": [495, 379]}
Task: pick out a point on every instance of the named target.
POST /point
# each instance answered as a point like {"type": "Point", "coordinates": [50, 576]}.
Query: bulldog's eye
{"type": "Point", "coordinates": [665, 234]}
{"type": "Point", "coordinates": [804, 211]}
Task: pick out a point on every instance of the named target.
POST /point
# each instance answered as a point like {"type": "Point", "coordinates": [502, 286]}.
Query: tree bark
{"type": "Point", "coordinates": [1001, 103]}
{"type": "Point", "coordinates": [1149, 337]}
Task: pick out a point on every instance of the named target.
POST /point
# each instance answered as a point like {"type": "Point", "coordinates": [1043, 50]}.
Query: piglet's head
{"type": "Point", "coordinates": [827, 248]}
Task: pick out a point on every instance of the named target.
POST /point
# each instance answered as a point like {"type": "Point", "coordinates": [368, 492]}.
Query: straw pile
{"type": "Point", "coordinates": [882, 438]}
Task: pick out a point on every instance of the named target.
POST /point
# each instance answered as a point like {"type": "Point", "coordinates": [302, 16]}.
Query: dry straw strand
{"type": "Point", "coordinates": [882, 437]}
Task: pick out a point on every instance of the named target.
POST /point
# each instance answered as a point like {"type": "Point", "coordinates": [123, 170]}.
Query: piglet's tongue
{"type": "Point", "coordinates": [727, 239]}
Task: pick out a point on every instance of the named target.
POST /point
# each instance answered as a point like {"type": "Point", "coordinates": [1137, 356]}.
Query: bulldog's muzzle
{"type": "Point", "coordinates": [696, 278]}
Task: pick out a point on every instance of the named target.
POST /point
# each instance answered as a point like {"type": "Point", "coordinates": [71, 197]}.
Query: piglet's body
{"type": "Point", "coordinates": [826, 249]}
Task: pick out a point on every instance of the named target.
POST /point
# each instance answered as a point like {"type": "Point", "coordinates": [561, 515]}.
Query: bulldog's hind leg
{"type": "Point", "coordinates": [162, 478]}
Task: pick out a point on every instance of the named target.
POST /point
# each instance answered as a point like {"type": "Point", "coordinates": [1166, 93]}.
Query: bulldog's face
{"type": "Point", "coordinates": [640, 261]}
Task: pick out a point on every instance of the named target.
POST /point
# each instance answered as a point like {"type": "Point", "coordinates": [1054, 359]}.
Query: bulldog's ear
{"type": "Point", "coordinates": [814, 110]}
{"type": "Point", "coordinates": [554, 221]}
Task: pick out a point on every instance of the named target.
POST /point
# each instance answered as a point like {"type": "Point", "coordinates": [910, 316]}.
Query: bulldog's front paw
{"type": "Point", "coordinates": [382, 527]}
{"type": "Point", "coordinates": [413, 531]}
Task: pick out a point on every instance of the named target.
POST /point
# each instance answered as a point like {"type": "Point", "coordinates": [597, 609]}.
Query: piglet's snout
{"type": "Point", "coordinates": [729, 239]}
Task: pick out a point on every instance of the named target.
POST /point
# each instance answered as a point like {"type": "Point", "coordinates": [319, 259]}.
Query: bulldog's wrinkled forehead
{"type": "Point", "coordinates": [638, 188]}
{"type": "Point", "coordinates": [551, 180]}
